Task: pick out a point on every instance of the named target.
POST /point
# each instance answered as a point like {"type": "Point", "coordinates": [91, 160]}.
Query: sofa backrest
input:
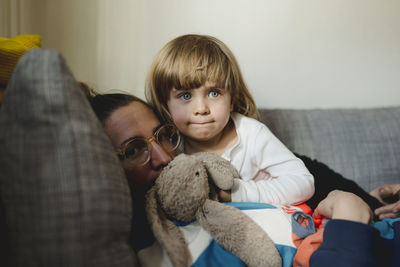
{"type": "Point", "coordinates": [361, 144]}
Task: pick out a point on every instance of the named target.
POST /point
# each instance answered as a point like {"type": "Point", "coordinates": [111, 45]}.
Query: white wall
{"type": "Point", "coordinates": [294, 54]}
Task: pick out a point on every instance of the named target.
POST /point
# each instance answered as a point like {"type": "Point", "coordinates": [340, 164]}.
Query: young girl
{"type": "Point", "coordinates": [195, 82]}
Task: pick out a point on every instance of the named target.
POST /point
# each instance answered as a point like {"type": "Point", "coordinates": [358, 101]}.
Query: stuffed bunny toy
{"type": "Point", "coordinates": [186, 190]}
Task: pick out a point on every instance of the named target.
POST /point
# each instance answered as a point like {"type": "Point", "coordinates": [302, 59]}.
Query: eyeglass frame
{"type": "Point", "coordinates": [121, 150]}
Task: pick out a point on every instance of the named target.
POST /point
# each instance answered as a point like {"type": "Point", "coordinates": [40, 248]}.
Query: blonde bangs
{"type": "Point", "coordinates": [192, 65]}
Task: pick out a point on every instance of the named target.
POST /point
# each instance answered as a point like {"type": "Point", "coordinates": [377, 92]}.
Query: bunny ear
{"type": "Point", "coordinates": [166, 232]}
{"type": "Point", "coordinates": [237, 233]}
{"type": "Point", "coordinates": [219, 169]}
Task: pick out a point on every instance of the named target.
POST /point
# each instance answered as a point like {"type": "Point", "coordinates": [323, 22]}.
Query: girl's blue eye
{"type": "Point", "coordinates": [213, 93]}
{"type": "Point", "coordinates": [185, 96]}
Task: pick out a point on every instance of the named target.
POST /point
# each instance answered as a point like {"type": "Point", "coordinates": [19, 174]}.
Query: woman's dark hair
{"type": "Point", "coordinates": [104, 105]}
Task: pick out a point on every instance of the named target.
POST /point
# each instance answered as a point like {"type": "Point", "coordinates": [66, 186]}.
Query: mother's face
{"type": "Point", "coordinates": [137, 120]}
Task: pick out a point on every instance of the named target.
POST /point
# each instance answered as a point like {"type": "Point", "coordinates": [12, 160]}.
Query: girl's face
{"type": "Point", "coordinates": [137, 120]}
{"type": "Point", "coordinates": [200, 114]}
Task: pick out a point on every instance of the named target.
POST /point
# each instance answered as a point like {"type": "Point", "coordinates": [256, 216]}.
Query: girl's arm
{"type": "Point", "coordinates": [282, 178]}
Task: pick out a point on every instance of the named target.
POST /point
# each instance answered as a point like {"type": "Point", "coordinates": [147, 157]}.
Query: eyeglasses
{"type": "Point", "coordinates": [137, 149]}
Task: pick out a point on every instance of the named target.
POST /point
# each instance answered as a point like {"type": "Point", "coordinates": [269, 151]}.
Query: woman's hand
{"type": "Point", "coordinates": [388, 211]}
{"type": "Point", "coordinates": [389, 195]}
{"type": "Point", "coordinates": [343, 205]}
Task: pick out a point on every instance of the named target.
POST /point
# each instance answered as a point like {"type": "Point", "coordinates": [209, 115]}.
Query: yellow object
{"type": "Point", "coordinates": [11, 49]}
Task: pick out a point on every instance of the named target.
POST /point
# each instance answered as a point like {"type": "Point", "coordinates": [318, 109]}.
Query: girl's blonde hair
{"type": "Point", "coordinates": [188, 62]}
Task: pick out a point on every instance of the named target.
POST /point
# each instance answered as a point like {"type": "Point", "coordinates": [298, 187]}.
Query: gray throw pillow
{"type": "Point", "coordinates": [65, 198]}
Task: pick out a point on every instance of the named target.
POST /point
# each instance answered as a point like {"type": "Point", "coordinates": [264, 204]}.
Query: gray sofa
{"type": "Point", "coordinates": [361, 144]}
{"type": "Point", "coordinates": [64, 199]}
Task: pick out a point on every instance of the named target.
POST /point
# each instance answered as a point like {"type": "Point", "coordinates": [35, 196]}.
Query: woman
{"type": "Point", "coordinates": [136, 134]}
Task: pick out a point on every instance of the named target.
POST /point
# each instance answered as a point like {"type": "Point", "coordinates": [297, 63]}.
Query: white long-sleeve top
{"type": "Point", "coordinates": [269, 172]}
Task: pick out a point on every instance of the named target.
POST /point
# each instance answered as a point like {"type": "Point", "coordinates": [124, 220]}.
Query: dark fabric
{"type": "Point", "coordinates": [361, 144]}
{"type": "Point", "coordinates": [395, 245]}
{"type": "Point", "coordinates": [4, 246]}
{"type": "Point", "coordinates": [65, 197]}
{"type": "Point", "coordinates": [326, 180]}
{"type": "Point", "coordinates": [349, 244]}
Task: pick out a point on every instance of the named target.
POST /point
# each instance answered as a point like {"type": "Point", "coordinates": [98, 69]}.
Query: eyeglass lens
{"type": "Point", "coordinates": [137, 150]}
{"type": "Point", "coordinates": [168, 138]}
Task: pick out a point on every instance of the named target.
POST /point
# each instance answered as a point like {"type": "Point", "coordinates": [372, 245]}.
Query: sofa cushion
{"type": "Point", "coordinates": [361, 144]}
{"type": "Point", "coordinates": [65, 197]}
